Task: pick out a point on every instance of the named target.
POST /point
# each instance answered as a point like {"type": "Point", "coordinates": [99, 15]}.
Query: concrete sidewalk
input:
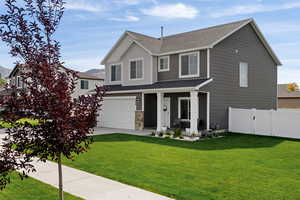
{"type": "Point", "coordinates": [89, 186]}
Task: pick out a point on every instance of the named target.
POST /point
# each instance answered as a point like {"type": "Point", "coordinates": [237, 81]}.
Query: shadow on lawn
{"type": "Point", "coordinates": [230, 141]}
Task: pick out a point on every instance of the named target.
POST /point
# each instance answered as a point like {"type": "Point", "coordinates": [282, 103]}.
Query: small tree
{"type": "Point", "coordinates": [292, 87]}
{"type": "Point", "coordinates": [64, 123]}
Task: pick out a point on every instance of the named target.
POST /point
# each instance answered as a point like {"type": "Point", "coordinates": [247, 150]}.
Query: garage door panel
{"type": "Point", "coordinates": [118, 113]}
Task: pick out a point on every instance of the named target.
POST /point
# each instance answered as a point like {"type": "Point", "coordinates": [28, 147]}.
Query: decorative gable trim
{"type": "Point", "coordinates": [119, 42]}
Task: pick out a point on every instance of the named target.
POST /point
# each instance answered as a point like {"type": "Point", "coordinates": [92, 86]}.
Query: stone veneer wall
{"type": "Point", "coordinates": [139, 120]}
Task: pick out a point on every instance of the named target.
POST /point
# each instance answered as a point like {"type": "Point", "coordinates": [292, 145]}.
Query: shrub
{"type": "Point", "coordinates": [160, 134]}
{"type": "Point", "coordinates": [193, 135]}
{"type": "Point", "coordinates": [177, 132]}
{"type": "Point", "coordinates": [152, 133]}
{"type": "Point", "coordinates": [168, 133]}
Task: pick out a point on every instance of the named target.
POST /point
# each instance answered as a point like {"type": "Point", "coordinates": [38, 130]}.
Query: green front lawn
{"type": "Point", "coordinates": [31, 189]}
{"type": "Point", "coordinates": [236, 167]}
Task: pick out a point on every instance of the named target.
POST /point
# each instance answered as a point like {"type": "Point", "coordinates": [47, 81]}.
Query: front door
{"type": "Point", "coordinates": [167, 112]}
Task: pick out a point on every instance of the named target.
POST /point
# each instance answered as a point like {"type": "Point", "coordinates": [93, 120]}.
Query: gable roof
{"type": "Point", "coordinates": [80, 75]}
{"type": "Point", "coordinates": [193, 40]}
{"type": "Point", "coordinates": [283, 92]}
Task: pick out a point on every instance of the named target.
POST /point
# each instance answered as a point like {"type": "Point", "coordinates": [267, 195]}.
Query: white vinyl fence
{"type": "Point", "coordinates": [281, 123]}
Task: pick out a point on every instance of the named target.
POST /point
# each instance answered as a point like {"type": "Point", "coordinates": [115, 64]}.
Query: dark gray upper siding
{"type": "Point", "coordinates": [225, 90]}
{"type": "Point", "coordinates": [173, 73]}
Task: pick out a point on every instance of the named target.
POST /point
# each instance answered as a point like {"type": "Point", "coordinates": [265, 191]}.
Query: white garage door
{"type": "Point", "coordinates": [118, 112]}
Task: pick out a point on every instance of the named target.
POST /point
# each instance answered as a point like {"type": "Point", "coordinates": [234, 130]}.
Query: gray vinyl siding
{"type": "Point", "coordinates": [173, 73]}
{"type": "Point", "coordinates": [225, 92]}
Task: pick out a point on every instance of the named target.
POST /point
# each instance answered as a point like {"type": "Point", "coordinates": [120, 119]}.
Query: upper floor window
{"type": "Point", "coordinates": [163, 64]}
{"type": "Point", "coordinates": [84, 84]}
{"type": "Point", "coordinates": [189, 65]}
{"type": "Point", "coordinates": [115, 72]}
{"type": "Point", "coordinates": [243, 74]}
{"type": "Point", "coordinates": [136, 69]}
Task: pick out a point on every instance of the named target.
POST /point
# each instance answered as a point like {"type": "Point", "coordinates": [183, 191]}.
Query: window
{"type": "Point", "coordinates": [136, 69]}
{"type": "Point", "coordinates": [116, 72]}
{"type": "Point", "coordinates": [184, 108]}
{"type": "Point", "coordinates": [84, 84]}
{"type": "Point", "coordinates": [19, 82]}
{"type": "Point", "coordinates": [163, 64]}
{"type": "Point", "coordinates": [189, 65]}
{"type": "Point", "coordinates": [243, 74]}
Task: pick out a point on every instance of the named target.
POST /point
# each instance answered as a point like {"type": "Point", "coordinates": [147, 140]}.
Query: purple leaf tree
{"type": "Point", "coordinates": [28, 28]}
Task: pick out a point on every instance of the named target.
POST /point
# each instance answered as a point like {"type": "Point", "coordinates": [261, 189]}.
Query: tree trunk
{"type": "Point", "coordinates": [61, 192]}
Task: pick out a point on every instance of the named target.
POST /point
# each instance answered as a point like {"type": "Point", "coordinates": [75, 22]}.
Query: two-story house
{"type": "Point", "coordinates": [190, 78]}
{"type": "Point", "coordinates": [84, 84]}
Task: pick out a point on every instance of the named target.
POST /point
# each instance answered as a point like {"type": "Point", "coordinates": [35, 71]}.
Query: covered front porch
{"type": "Point", "coordinates": [177, 109]}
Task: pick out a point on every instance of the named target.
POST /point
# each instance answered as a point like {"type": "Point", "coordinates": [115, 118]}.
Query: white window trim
{"type": "Point", "coordinates": [198, 64]}
{"type": "Point", "coordinates": [87, 84]}
{"type": "Point", "coordinates": [110, 71]}
{"type": "Point", "coordinates": [143, 69]}
{"type": "Point", "coordinates": [240, 75]}
{"type": "Point", "coordinates": [168, 66]}
{"type": "Point", "coordinates": [179, 107]}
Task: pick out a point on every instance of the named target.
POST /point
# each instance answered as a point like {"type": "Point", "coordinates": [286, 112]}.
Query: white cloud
{"type": "Point", "coordinates": [172, 11]}
{"type": "Point", "coordinates": [128, 18]}
{"type": "Point", "coordinates": [254, 8]}
{"type": "Point", "coordinates": [83, 5]}
{"type": "Point", "coordinates": [133, 2]}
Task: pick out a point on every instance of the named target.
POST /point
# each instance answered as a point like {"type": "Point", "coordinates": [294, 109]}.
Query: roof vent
{"type": "Point", "coordinates": [161, 32]}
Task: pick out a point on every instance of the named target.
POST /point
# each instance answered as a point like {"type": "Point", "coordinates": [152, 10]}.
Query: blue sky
{"type": "Point", "coordinates": [91, 27]}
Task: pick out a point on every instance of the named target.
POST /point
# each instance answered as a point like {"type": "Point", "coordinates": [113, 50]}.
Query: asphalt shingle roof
{"type": "Point", "coordinates": [283, 92]}
{"type": "Point", "coordinates": [157, 85]}
{"type": "Point", "coordinates": [188, 40]}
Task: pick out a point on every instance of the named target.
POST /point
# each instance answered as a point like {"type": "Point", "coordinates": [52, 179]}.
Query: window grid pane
{"type": "Point", "coordinates": [115, 72]}
{"type": "Point", "coordinates": [133, 69]}
{"type": "Point", "coordinates": [185, 65]}
{"type": "Point", "coordinates": [243, 74]}
{"type": "Point", "coordinates": [139, 70]}
{"type": "Point", "coordinates": [193, 60]}
{"type": "Point", "coordinates": [164, 63]}
{"type": "Point", "coordinates": [136, 69]}
{"type": "Point", "coordinates": [189, 64]}
{"type": "Point", "coordinates": [118, 72]}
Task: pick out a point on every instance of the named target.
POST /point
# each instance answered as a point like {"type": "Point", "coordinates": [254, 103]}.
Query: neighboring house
{"type": "Point", "coordinates": [85, 83]}
{"type": "Point", "coordinates": [288, 99]}
{"type": "Point", "coordinates": [189, 79]}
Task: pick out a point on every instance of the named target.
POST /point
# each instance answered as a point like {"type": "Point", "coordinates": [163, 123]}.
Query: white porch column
{"type": "Point", "coordinates": [160, 98]}
{"type": "Point", "coordinates": [208, 111]}
{"type": "Point", "coordinates": [194, 112]}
